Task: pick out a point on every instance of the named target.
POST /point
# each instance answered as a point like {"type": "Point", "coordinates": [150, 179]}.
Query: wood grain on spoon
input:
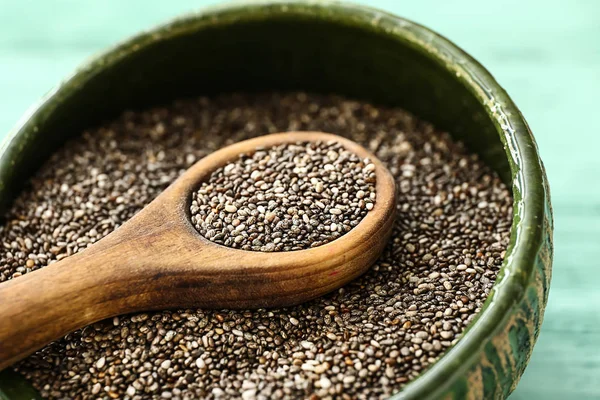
{"type": "Point", "coordinates": [158, 260]}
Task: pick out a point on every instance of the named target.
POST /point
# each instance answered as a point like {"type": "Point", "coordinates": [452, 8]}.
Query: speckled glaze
{"type": "Point", "coordinates": [354, 51]}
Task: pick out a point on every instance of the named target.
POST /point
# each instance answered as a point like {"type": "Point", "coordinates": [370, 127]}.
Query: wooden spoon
{"type": "Point", "coordinates": [158, 260]}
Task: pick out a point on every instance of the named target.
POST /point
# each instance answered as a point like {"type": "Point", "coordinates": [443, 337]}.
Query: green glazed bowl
{"type": "Point", "coordinates": [354, 51]}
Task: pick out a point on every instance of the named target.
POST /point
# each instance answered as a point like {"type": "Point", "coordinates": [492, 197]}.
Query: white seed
{"type": "Point", "coordinates": [100, 363]}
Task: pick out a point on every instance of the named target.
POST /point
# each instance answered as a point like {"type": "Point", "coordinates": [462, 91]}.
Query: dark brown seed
{"type": "Point", "coordinates": [287, 197]}
{"type": "Point", "coordinates": [365, 340]}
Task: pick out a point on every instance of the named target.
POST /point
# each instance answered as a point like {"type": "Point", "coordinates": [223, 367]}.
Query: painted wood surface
{"type": "Point", "coordinates": [546, 53]}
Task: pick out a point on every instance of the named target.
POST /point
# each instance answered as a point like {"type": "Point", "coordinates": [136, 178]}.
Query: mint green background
{"type": "Point", "coordinates": [545, 53]}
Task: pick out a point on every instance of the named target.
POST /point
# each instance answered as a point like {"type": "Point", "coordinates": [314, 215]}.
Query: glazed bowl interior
{"type": "Point", "coordinates": [327, 48]}
{"type": "Point", "coordinates": [261, 52]}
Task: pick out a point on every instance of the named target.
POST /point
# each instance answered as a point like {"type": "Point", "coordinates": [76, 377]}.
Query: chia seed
{"type": "Point", "coordinates": [364, 341]}
{"type": "Point", "coordinates": [266, 201]}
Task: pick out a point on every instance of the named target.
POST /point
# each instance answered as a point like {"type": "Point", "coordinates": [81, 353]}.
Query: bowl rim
{"type": "Point", "coordinates": [528, 179]}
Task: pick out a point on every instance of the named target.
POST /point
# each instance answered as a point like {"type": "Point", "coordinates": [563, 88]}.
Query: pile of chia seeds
{"type": "Point", "coordinates": [364, 341]}
{"type": "Point", "coordinates": [284, 198]}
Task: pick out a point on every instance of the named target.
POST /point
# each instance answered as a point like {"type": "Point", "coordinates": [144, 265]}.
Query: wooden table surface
{"type": "Point", "coordinates": [546, 53]}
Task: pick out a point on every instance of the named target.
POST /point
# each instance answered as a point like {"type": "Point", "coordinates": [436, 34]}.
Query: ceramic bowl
{"type": "Point", "coordinates": [331, 48]}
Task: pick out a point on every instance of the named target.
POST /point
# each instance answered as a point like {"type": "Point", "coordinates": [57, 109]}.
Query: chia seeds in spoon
{"type": "Point", "coordinates": [284, 198]}
{"type": "Point", "coordinates": [364, 341]}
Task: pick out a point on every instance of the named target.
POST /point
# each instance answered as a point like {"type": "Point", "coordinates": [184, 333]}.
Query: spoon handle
{"type": "Point", "coordinates": [127, 271]}
{"type": "Point", "coordinates": [44, 305]}
{"type": "Point", "coordinates": [151, 262]}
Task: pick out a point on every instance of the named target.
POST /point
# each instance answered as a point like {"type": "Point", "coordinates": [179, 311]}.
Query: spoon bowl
{"type": "Point", "coordinates": [158, 260]}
